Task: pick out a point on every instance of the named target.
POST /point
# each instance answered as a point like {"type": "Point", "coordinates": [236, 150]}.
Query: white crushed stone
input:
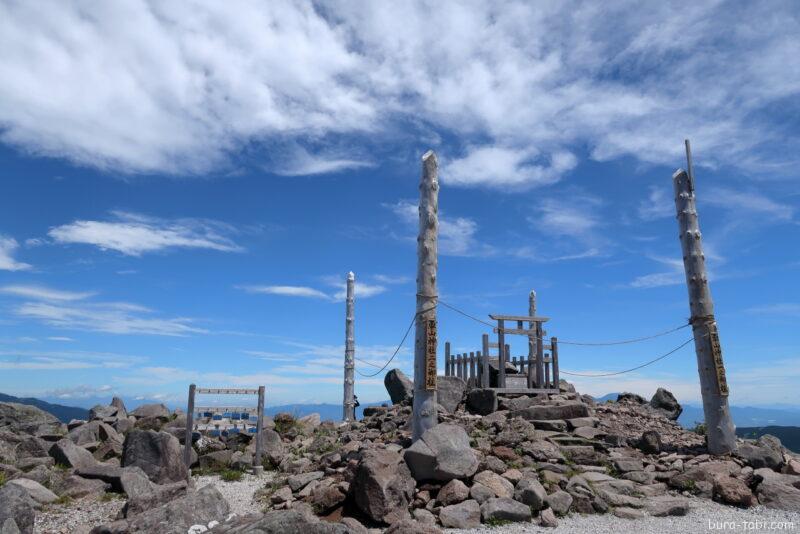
{"type": "Point", "coordinates": [704, 516]}
{"type": "Point", "coordinates": [78, 517]}
{"type": "Point", "coordinates": [239, 494]}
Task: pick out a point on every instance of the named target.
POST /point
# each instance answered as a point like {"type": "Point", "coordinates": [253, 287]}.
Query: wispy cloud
{"type": "Point", "coordinates": [674, 276]}
{"type": "Point", "coordinates": [457, 236]}
{"type": "Point", "coordinates": [786, 309]}
{"type": "Point", "coordinates": [64, 360]}
{"type": "Point", "coordinates": [500, 166]}
{"type": "Point", "coordinates": [72, 310]}
{"type": "Point", "coordinates": [301, 162]}
{"type": "Point", "coordinates": [751, 202]}
{"type": "Point", "coordinates": [658, 205]}
{"type": "Point", "coordinates": [8, 246]}
{"type": "Point", "coordinates": [287, 291]}
{"type": "Point", "coordinates": [134, 234]}
{"type": "Point", "coordinates": [44, 293]}
{"type": "Point", "coordinates": [82, 391]}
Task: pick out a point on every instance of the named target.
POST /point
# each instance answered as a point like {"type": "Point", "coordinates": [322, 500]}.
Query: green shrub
{"type": "Point", "coordinates": [492, 523]}
{"type": "Point", "coordinates": [2, 478]}
{"type": "Point", "coordinates": [231, 475]}
{"type": "Point", "coordinates": [699, 428]}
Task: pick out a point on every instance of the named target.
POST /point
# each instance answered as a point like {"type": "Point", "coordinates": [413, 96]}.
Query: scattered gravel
{"type": "Point", "coordinates": [239, 494]}
{"type": "Point", "coordinates": [705, 516]}
{"type": "Point", "coordinates": [77, 517]}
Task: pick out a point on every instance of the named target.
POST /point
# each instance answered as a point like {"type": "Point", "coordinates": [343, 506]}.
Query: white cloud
{"type": "Point", "coordinates": [44, 293]}
{"type": "Point", "coordinates": [786, 309]}
{"type": "Point", "coordinates": [749, 201]}
{"type": "Point", "coordinates": [133, 234]}
{"type": "Point", "coordinates": [658, 205]}
{"type": "Point", "coordinates": [82, 391]}
{"type": "Point", "coordinates": [500, 166]}
{"type": "Point", "coordinates": [69, 309]}
{"type": "Point", "coordinates": [674, 276]}
{"type": "Point", "coordinates": [196, 83]}
{"type": "Point", "coordinates": [8, 245]}
{"type": "Point", "coordinates": [64, 360]}
{"type": "Point", "coordinates": [287, 291]}
{"type": "Point", "coordinates": [457, 236]}
{"type": "Point", "coordinates": [301, 162]}
{"type": "Point", "coordinates": [362, 290]}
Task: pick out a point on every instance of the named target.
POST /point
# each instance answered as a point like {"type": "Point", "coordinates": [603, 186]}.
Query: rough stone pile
{"type": "Point", "coordinates": [491, 459]}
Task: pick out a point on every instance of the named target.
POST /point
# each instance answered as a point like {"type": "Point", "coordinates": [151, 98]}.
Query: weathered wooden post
{"type": "Point", "coordinates": [486, 373]}
{"type": "Point", "coordinates": [187, 444]}
{"type": "Point", "coordinates": [259, 432]}
{"type": "Point", "coordinates": [349, 404]}
{"type": "Point", "coordinates": [425, 415]}
{"type": "Point", "coordinates": [531, 339]}
{"type": "Point", "coordinates": [713, 384]}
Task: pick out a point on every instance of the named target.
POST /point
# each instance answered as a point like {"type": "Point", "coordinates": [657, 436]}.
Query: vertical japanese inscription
{"type": "Point", "coordinates": [716, 353]}
{"type": "Point", "coordinates": [430, 354]}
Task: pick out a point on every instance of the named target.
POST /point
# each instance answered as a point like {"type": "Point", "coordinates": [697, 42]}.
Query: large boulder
{"type": "Point", "coordinates": [399, 386]}
{"type": "Point", "coordinates": [159, 454]}
{"type": "Point", "coordinates": [450, 392]}
{"type": "Point", "coordinates": [36, 491]}
{"type": "Point", "coordinates": [22, 418]}
{"type": "Point", "coordinates": [775, 494]}
{"type": "Point", "coordinates": [665, 402]}
{"type": "Point", "coordinates": [383, 486]}
{"type": "Point", "coordinates": [117, 403]}
{"type": "Point", "coordinates": [17, 505]}
{"type": "Point", "coordinates": [466, 514]}
{"type": "Point", "coordinates": [66, 453]}
{"type": "Point", "coordinates": [759, 454]}
{"type": "Point", "coordinates": [158, 411]}
{"type": "Point", "coordinates": [502, 509]}
{"type": "Point", "coordinates": [570, 410]}
{"type": "Point", "coordinates": [284, 522]}
{"type": "Point", "coordinates": [175, 517]}
{"type": "Point", "coordinates": [482, 401]}
{"type": "Point", "coordinates": [442, 453]}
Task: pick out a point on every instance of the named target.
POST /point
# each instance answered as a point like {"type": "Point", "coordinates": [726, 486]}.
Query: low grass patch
{"type": "Point", "coordinates": [493, 523]}
{"type": "Point", "coordinates": [231, 475]}
{"type": "Point", "coordinates": [64, 500]}
{"type": "Point", "coordinates": [2, 478]}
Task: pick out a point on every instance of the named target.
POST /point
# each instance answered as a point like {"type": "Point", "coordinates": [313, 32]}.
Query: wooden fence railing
{"type": "Point", "coordinates": [474, 367]}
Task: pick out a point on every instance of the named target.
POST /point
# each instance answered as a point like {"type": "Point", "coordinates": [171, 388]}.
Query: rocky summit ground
{"type": "Point", "coordinates": [512, 463]}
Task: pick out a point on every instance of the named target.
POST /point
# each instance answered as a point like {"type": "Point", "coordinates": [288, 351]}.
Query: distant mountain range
{"type": "Point", "coordinates": [64, 413]}
{"type": "Point", "coordinates": [327, 412]}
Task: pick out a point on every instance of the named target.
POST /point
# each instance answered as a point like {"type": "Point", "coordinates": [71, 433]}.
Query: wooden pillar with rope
{"type": "Point", "coordinates": [424, 414]}
{"type": "Point", "coordinates": [720, 430]}
{"type": "Point", "coordinates": [349, 403]}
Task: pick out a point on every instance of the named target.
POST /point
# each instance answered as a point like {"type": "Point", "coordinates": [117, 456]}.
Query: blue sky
{"type": "Point", "coordinates": [181, 202]}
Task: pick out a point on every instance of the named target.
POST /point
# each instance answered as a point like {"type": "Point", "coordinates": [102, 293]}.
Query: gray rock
{"type": "Point", "coordinates": [465, 514]}
{"type": "Point", "coordinates": [22, 418]}
{"type": "Point", "coordinates": [570, 410]}
{"type": "Point", "coordinates": [650, 442]}
{"type": "Point", "coordinates": [75, 487]}
{"type": "Point", "coordinates": [631, 397]}
{"type": "Point", "coordinates": [480, 493]}
{"type": "Point", "coordinates": [9, 526]}
{"type": "Point", "coordinates": [399, 386]}
{"type": "Point", "coordinates": [158, 454]}
{"type": "Point", "coordinates": [17, 505]}
{"type": "Point", "coordinates": [409, 526]}
{"type": "Point", "coordinates": [499, 486]}
{"type": "Point", "coordinates": [176, 516]}
{"type": "Point", "coordinates": [775, 494]}
{"type": "Point", "coordinates": [666, 403]}
{"type": "Point", "coordinates": [559, 501]}
{"type": "Point", "coordinates": [285, 522]}
{"type": "Point", "coordinates": [450, 392]}
{"type": "Point", "coordinates": [102, 412]}
{"type": "Point", "coordinates": [122, 411]}
{"type": "Point", "coordinates": [453, 492]}
{"type": "Point", "coordinates": [547, 518]}
{"type": "Point", "coordinates": [628, 513]}
{"type": "Point", "coordinates": [505, 509]}
{"type": "Point", "coordinates": [421, 515]}
{"type": "Point", "coordinates": [383, 486]}
{"type": "Point", "coordinates": [216, 459]}
{"type": "Point", "coordinates": [66, 453]}
{"type": "Point", "coordinates": [531, 492]}
{"type": "Point", "coordinates": [733, 491]}
{"type": "Point", "coordinates": [556, 425]}
{"type": "Point", "coordinates": [443, 453]}
{"type": "Point", "coordinates": [37, 492]}
{"type": "Point", "coordinates": [298, 482]}
{"type": "Point", "coordinates": [158, 411]}
{"type": "Point", "coordinates": [623, 465]}
{"type": "Point", "coordinates": [665, 506]}
{"type": "Point", "coordinates": [482, 401]}
{"type": "Point", "coordinates": [758, 456]}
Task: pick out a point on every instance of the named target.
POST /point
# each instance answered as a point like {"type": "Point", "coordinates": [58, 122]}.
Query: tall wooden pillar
{"type": "Point", "coordinates": [187, 444]}
{"type": "Point", "coordinates": [532, 340]}
{"type": "Point", "coordinates": [259, 428]}
{"type": "Point", "coordinates": [425, 414]}
{"type": "Point", "coordinates": [349, 405]}
{"type": "Point", "coordinates": [713, 384]}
